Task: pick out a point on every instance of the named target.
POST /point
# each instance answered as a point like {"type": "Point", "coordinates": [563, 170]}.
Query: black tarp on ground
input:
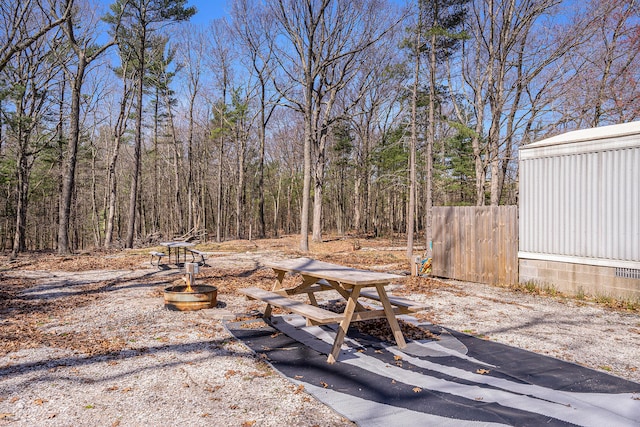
{"type": "Point", "coordinates": [456, 380]}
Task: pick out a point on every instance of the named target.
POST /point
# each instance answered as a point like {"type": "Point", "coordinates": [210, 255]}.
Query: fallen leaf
{"type": "Point", "coordinates": [298, 377]}
{"type": "Point", "coordinates": [248, 423]}
{"type": "Point", "coordinates": [417, 389]}
{"type": "Point", "coordinates": [482, 371]}
{"type": "Point", "coordinates": [39, 401]}
{"type": "Point", "coordinates": [323, 384]}
{"type": "Point", "coordinates": [230, 373]}
{"type": "Point", "coordinates": [397, 357]}
{"type": "Point", "coordinates": [5, 415]}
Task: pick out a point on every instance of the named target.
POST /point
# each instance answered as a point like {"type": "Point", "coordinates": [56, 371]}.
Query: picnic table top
{"type": "Point", "coordinates": [334, 272]}
{"type": "Point", "coordinates": [177, 244]}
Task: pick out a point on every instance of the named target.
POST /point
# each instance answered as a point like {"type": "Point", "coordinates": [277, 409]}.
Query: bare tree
{"type": "Point", "coordinates": [379, 108]}
{"type": "Point", "coordinates": [606, 62]}
{"type": "Point", "coordinates": [417, 47]}
{"type": "Point", "coordinates": [325, 42]}
{"type": "Point", "coordinates": [125, 105]}
{"type": "Point", "coordinates": [500, 63]}
{"type": "Point", "coordinates": [86, 51]}
{"type": "Point", "coordinates": [14, 15]}
{"type": "Point", "coordinates": [32, 73]}
{"type": "Point", "coordinates": [251, 23]}
{"type": "Point", "coordinates": [192, 56]}
{"type": "Point", "coordinates": [221, 51]}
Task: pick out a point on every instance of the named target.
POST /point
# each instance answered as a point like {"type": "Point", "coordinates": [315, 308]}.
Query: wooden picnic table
{"type": "Point", "coordinates": [176, 246]}
{"type": "Point", "coordinates": [350, 283]}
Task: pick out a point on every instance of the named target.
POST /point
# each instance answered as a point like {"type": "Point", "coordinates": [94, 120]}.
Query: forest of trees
{"type": "Point", "coordinates": [123, 123]}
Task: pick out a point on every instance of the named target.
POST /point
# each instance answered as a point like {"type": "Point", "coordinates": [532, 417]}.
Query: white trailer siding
{"type": "Point", "coordinates": [580, 197]}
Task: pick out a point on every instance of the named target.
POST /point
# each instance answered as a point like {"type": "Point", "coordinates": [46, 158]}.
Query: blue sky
{"type": "Point", "coordinates": [211, 9]}
{"type": "Point", "coordinates": [208, 10]}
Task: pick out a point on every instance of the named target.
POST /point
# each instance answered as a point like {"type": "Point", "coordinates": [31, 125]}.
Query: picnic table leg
{"type": "Point", "coordinates": [277, 285]}
{"type": "Point", "coordinates": [391, 317]}
{"type": "Point", "coordinates": [344, 325]}
{"type": "Point", "coordinates": [345, 294]}
{"type": "Point", "coordinates": [279, 278]}
{"type": "Point", "coordinates": [267, 312]}
{"type": "Point", "coordinates": [306, 282]}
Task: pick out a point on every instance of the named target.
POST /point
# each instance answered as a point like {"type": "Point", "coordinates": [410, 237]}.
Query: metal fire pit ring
{"type": "Point", "coordinates": [202, 296]}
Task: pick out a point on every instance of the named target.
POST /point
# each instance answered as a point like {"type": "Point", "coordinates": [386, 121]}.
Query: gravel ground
{"type": "Point", "coordinates": [98, 348]}
{"type": "Point", "coordinates": [568, 329]}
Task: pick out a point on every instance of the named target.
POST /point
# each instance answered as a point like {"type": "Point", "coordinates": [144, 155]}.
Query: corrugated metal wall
{"type": "Point", "coordinates": [581, 204]}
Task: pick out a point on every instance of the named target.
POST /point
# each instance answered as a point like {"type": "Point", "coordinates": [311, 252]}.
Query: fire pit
{"type": "Point", "coordinates": [190, 297]}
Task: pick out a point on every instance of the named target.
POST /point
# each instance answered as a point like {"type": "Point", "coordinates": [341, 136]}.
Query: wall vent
{"type": "Point", "coordinates": [628, 273]}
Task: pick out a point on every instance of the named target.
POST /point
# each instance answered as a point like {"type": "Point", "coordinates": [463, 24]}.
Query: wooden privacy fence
{"type": "Point", "coordinates": [476, 243]}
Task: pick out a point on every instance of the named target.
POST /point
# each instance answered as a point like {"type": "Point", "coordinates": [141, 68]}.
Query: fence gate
{"type": "Point", "coordinates": [476, 243]}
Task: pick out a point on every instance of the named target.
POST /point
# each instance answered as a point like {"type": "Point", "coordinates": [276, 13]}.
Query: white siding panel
{"type": "Point", "coordinates": [635, 205]}
{"type": "Point", "coordinates": [582, 204]}
{"type": "Point", "coordinates": [608, 193]}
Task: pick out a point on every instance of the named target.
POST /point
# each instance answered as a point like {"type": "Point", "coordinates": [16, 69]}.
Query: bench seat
{"type": "Point", "coordinates": [311, 312]}
{"type": "Point", "coordinates": [200, 254]}
{"type": "Point", "coordinates": [156, 254]}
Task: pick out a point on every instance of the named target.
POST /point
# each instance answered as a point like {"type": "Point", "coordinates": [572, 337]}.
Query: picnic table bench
{"type": "Point", "coordinates": [196, 253]}
{"type": "Point", "coordinates": [156, 254]}
{"type": "Point", "coordinates": [350, 283]}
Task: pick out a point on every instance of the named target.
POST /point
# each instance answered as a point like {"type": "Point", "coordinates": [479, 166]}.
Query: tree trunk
{"type": "Point", "coordinates": [133, 197]}
{"type": "Point", "coordinates": [306, 190]}
{"type": "Point", "coordinates": [155, 203]}
{"type": "Point", "coordinates": [22, 187]}
{"type": "Point", "coordinates": [413, 141]}
{"type": "Point", "coordinates": [176, 170]}
{"type": "Point", "coordinates": [318, 188]}
{"type": "Point", "coordinates": [262, 136]}
{"type": "Point", "coordinates": [431, 138]}
{"type": "Point", "coordinates": [220, 191]}
{"type": "Point", "coordinates": [240, 187]}
{"type": "Point", "coordinates": [137, 151]}
{"type": "Point", "coordinates": [71, 159]}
